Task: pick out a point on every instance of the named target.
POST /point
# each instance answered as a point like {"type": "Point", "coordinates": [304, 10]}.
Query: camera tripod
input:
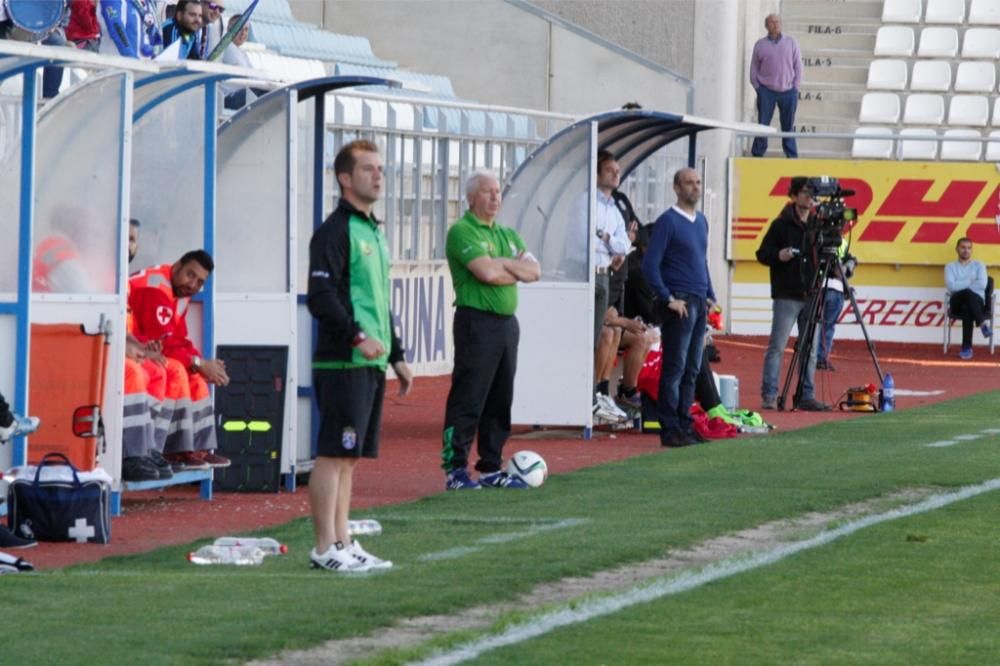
{"type": "Point", "coordinates": [827, 263]}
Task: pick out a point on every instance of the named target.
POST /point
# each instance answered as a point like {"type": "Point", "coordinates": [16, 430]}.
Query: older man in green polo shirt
{"type": "Point", "coordinates": [486, 261]}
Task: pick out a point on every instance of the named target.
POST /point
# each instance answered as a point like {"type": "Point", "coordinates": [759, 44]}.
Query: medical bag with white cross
{"type": "Point", "coordinates": [56, 502]}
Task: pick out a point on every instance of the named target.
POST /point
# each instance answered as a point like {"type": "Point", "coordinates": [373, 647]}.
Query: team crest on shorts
{"type": "Point", "coordinates": [349, 439]}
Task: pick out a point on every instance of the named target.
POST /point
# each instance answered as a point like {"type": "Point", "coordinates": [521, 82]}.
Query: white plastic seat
{"type": "Point", "coordinates": [993, 147]}
{"type": "Point", "coordinates": [879, 108]}
{"type": "Point", "coordinates": [931, 75]}
{"type": "Point", "coordinates": [923, 109]}
{"type": "Point", "coordinates": [981, 43]}
{"type": "Point", "coordinates": [945, 11]}
{"type": "Point", "coordinates": [984, 12]}
{"type": "Point", "coordinates": [894, 40]}
{"type": "Point", "coordinates": [961, 150]}
{"type": "Point", "coordinates": [918, 150]}
{"type": "Point", "coordinates": [881, 149]}
{"type": "Point", "coordinates": [979, 76]}
{"type": "Point", "coordinates": [938, 43]}
{"type": "Point", "coordinates": [902, 11]}
{"type": "Point", "coordinates": [887, 75]}
{"type": "Point", "coordinates": [973, 110]}
{"type": "Point", "coordinates": [996, 114]}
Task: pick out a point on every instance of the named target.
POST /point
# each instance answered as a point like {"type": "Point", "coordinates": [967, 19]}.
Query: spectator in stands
{"type": "Point", "coordinates": [84, 29]}
{"type": "Point", "coordinates": [213, 27]}
{"type": "Point", "coordinates": [486, 261]}
{"type": "Point", "coordinates": [676, 267]}
{"type": "Point", "coordinates": [129, 28]}
{"type": "Point", "coordinates": [776, 74]}
{"type": "Point", "coordinates": [966, 279]}
{"type": "Point", "coordinates": [159, 299]}
{"type": "Point", "coordinates": [236, 96]}
{"type": "Point", "coordinates": [349, 297]}
{"type": "Point", "coordinates": [781, 250]}
{"type": "Point", "coordinates": [185, 28]}
{"type": "Point", "coordinates": [612, 246]}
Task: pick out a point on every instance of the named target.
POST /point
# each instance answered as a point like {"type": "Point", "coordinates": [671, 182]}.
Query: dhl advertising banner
{"type": "Point", "coordinates": [910, 215]}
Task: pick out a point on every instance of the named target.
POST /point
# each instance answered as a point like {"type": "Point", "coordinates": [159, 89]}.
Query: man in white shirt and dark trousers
{"type": "Point", "coordinates": [965, 278]}
{"type": "Point", "coordinates": [611, 246]}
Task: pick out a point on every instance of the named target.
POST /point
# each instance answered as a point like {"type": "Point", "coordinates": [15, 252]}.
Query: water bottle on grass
{"type": "Point", "coordinates": [237, 555]}
{"type": "Point", "coordinates": [888, 393]}
{"type": "Point", "coordinates": [361, 527]}
{"type": "Point", "coordinates": [267, 544]}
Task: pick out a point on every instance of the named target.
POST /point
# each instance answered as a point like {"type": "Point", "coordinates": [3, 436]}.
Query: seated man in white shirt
{"type": "Point", "coordinates": [965, 278]}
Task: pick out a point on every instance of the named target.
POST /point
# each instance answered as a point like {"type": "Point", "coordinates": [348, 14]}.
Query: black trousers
{"type": "Point", "coordinates": [482, 389]}
{"type": "Point", "coordinates": [969, 307]}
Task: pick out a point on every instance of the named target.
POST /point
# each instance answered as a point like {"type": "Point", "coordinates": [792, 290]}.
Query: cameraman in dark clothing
{"type": "Point", "coordinates": [782, 250]}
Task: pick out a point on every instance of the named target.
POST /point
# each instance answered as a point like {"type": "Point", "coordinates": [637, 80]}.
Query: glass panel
{"type": "Point", "coordinates": [306, 186]}
{"type": "Point", "coordinates": [168, 149]}
{"type": "Point", "coordinates": [252, 210]}
{"type": "Point", "coordinates": [10, 187]}
{"type": "Point", "coordinates": [549, 206]}
{"type": "Point", "coordinates": [76, 204]}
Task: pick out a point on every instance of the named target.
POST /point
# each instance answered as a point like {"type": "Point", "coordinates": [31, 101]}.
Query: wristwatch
{"type": "Point", "coordinates": [196, 363]}
{"type": "Point", "coordinates": [359, 338]}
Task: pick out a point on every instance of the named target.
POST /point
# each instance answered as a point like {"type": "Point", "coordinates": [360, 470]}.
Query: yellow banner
{"type": "Point", "coordinates": [908, 212]}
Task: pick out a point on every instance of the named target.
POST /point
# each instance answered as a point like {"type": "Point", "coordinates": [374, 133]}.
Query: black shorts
{"type": "Point", "coordinates": [350, 411]}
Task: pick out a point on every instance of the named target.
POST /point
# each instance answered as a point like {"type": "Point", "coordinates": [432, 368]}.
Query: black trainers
{"type": "Point", "coordinates": [135, 468]}
{"type": "Point", "coordinates": [10, 540]}
{"type": "Point", "coordinates": [162, 465]}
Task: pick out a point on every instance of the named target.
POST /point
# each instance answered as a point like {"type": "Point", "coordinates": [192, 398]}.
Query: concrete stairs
{"type": "Point", "coordinates": [837, 40]}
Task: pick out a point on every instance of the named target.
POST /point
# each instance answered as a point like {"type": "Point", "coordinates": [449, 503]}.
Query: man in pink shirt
{"type": "Point", "coordinates": [776, 74]}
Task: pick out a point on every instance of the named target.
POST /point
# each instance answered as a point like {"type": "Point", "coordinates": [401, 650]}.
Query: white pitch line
{"type": "Point", "coordinates": [968, 438]}
{"type": "Point", "coordinates": [589, 609]}
{"type": "Point", "coordinates": [506, 537]}
{"type": "Point", "coordinates": [990, 431]}
{"type": "Point", "coordinates": [942, 444]}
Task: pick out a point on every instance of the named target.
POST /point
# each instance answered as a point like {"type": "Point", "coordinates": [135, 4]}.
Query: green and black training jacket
{"type": "Point", "coordinates": [349, 290]}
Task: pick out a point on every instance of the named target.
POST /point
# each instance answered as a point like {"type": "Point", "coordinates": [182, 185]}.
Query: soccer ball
{"type": "Point", "coordinates": [529, 467]}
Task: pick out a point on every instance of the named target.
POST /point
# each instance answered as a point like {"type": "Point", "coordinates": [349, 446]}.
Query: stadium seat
{"type": "Point", "coordinates": [993, 147]}
{"type": "Point", "coordinates": [931, 75]}
{"type": "Point", "coordinates": [965, 151]}
{"type": "Point", "coordinates": [945, 11]}
{"type": "Point", "coordinates": [879, 108]}
{"type": "Point", "coordinates": [989, 310]}
{"type": "Point", "coordinates": [981, 43]}
{"type": "Point", "coordinates": [887, 75]}
{"type": "Point", "coordinates": [918, 150]}
{"type": "Point", "coordinates": [971, 110]}
{"type": "Point", "coordinates": [882, 149]}
{"type": "Point", "coordinates": [894, 40]}
{"type": "Point", "coordinates": [924, 109]}
{"type": "Point", "coordinates": [978, 77]}
{"type": "Point", "coordinates": [996, 114]}
{"type": "Point", "coordinates": [902, 11]}
{"type": "Point", "coordinates": [984, 12]}
{"type": "Point", "coordinates": [938, 43]}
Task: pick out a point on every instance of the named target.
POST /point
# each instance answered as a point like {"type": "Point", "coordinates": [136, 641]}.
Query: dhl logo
{"type": "Point", "coordinates": [908, 213]}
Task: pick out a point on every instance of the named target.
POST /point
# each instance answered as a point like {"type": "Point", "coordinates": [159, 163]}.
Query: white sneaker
{"type": "Point", "coordinates": [605, 409]}
{"type": "Point", "coordinates": [367, 558]}
{"type": "Point", "coordinates": [337, 558]}
{"type": "Point", "coordinates": [20, 426]}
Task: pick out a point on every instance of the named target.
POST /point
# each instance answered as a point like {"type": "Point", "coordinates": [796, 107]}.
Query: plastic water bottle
{"type": "Point", "coordinates": [888, 393]}
{"type": "Point", "coordinates": [267, 544]}
{"type": "Point", "coordinates": [362, 527]}
{"type": "Point", "coordinates": [238, 555]}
